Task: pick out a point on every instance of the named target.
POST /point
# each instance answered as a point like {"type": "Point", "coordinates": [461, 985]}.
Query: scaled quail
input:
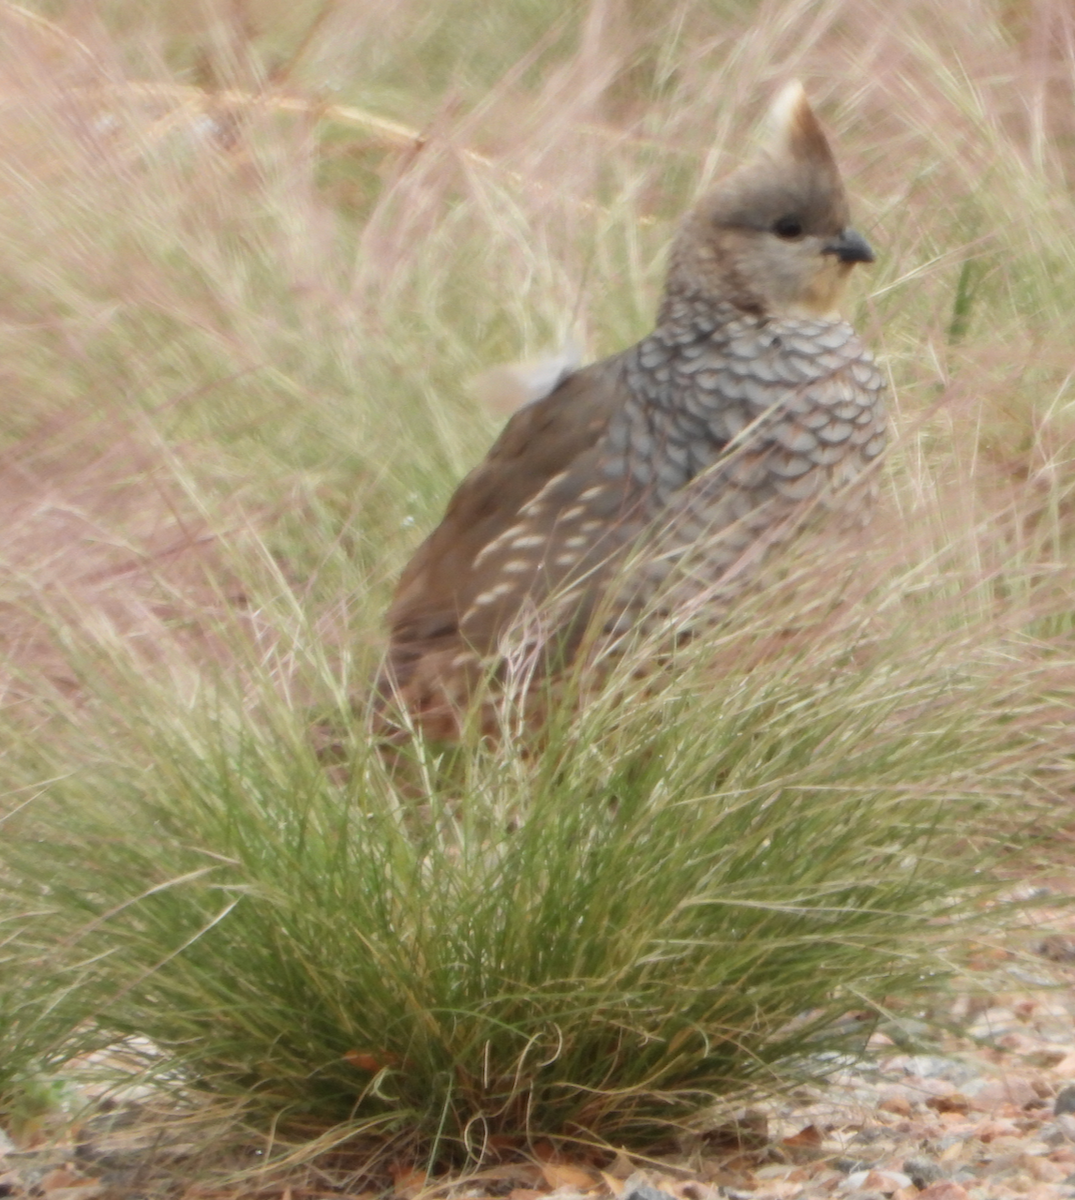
{"type": "Point", "coordinates": [668, 469]}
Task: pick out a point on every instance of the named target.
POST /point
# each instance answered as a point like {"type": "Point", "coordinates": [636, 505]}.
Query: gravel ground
{"type": "Point", "coordinates": [986, 1114]}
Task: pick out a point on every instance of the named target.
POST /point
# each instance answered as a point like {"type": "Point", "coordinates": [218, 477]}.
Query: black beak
{"type": "Point", "coordinates": [849, 247]}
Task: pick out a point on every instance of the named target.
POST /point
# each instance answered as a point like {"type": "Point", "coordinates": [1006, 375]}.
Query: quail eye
{"type": "Point", "coordinates": [788, 227]}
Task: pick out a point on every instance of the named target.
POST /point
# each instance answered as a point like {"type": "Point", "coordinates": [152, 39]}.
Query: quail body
{"type": "Point", "coordinates": [656, 480]}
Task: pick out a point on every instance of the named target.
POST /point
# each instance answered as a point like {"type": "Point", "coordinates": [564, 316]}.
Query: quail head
{"type": "Point", "coordinates": [654, 481]}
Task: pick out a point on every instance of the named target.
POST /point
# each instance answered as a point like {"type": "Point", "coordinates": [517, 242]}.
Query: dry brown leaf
{"type": "Point", "coordinates": [622, 1167]}
{"type": "Point", "coordinates": [719, 1176]}
{"type": "Point", "coordinates": [945, 1190]}
{"type": "Point", "coordinates": [809, 1135]}
{"type": "Point", "coordinates": [955, 1103]}
{"type": "Point", "coordinates": [372, 1061]}
{"type": "Point", "coordinates": [669, 1184]}
{"type": "Point", "coordinates": [407, 1181]}
{"type": "Point", "coordinates": [804, 1145]}
{"type": "Point", "coordinates": [742, 1165]}
{"type": "Point", "coordinates": [65, 1184]}
{"type": "Point", "coordinates": [525, 1194]}
{"type": "Point", "coordinates": [558, 1175]}
{"type": "Point", "coordinates": [521, 1175]}
{"type": "Point", "coordinates": [62, 1177]}
{"type": "Point", "coordinates": [749, 1130]}
{"type": "Point", "coordinates": [782, 1189]}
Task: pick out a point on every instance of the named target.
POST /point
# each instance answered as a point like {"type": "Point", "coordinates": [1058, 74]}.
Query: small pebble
{"type": "Point", "coordinates": [885, 1182]}
{"type": "Point", "coordinates": [1065, 1100]}
{"type": "Point", "coordinates": [923, 1171]}
{"type": "Point", "coordinates": [643, 1191]}
{"type": "Point", "coordinates": [1058, 949]}
{"type": "Point", "coordinates": [992, 1023]}
{"type": "Point", "coordinates": [935, 1066]}
{"type": "Point", "coordinates": [965, 1175]}
{"type": "Point", "coordinates": [945, 1190]}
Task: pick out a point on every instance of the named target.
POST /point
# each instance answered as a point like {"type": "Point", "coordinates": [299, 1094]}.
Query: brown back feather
{"type": "Point", "coordinates": [541, 440]}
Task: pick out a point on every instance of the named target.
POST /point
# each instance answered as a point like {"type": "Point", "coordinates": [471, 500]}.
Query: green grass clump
{"type": "Point", "coordinates": [651, 910]}
{"type": "Point", "coordinates": [238, 315]}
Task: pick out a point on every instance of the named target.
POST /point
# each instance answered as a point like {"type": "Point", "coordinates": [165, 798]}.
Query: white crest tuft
{"type": "Point", "coordinates": [794, 131]}
{"type": "Point", "coordinates": [785, 108]}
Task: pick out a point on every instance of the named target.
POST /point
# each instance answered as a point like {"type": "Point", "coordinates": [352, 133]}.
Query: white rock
{"type": "Point", "coordinates": [885, 1182]}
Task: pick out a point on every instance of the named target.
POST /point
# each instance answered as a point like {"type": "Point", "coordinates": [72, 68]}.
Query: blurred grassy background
{"type": "Point", "coordinates": [250, 256]}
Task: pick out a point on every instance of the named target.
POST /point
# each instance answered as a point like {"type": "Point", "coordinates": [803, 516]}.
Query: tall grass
{"type": "Point", "coordinates": [238, 313]}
